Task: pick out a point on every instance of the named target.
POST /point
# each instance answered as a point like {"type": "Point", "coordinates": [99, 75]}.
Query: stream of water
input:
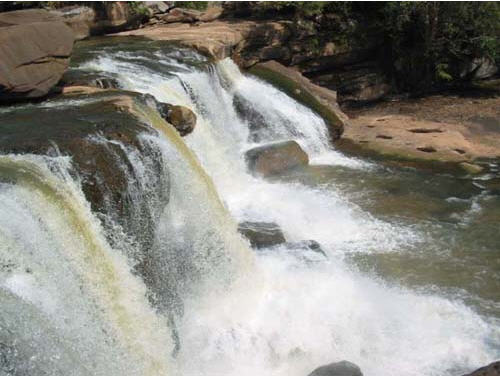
{"type": "Point", "coordinates": [410, 284]}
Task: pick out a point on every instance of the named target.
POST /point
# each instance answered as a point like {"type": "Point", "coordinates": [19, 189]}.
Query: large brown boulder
{"type": "Point", "coordinates": [182, 118]}
{"type": "Point", "coordinates": [321, 100]}
{"type": "Point", "coordinates": [272, 159]}
{"type": "Point", "coordinates": [101, 18]}
{"type": "Point", "coordinates": [34, 53]}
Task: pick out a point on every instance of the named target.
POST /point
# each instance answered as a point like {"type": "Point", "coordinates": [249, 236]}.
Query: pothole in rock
{"type": "Point", "coordinates": [427, 149]}
{"type": "Point", "coordinates": [384, 137]}
{"type": "Point", "coordinates": [425, 130]}
{"type": "Point", "coordinates": [459, 151]}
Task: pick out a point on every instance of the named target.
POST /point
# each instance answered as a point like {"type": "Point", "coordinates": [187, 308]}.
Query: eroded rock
{"type": "Point", "coordinates": [272, 159]}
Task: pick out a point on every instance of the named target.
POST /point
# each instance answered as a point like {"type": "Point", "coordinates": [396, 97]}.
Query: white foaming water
{"type": "Point", "coordinates": [287, 317]}
{"type": "Point", "coordinates": [56, 261]}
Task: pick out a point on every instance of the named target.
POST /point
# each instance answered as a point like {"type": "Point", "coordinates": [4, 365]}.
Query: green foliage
{"type": "Point", "coordinates": [138, 8]}
{"type": "Point", "coordinates": [428, 41]}
{"type": "Point", "coordinates": [198, 5]}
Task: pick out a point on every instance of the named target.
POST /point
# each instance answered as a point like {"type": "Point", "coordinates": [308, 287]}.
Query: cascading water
{"type": "Point", "coordinates": [280, 314]}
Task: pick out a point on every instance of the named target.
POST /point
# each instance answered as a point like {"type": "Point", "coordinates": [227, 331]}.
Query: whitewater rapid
{"type": "Point", "coordinates": [220, 307]}
{"type": "Point", "coordinates": [289, 317]}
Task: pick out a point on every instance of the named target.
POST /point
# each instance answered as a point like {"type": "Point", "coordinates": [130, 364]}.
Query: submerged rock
{"type": "Point", "coordinates": [492, 369]}
{"type": "Point", "coordinates": [306, 245]}
{"type": "Point", "coordinates": [343, 368]}
{"type": "Point", "coordinates": [272, 159]}
{"type": "Point", "coordinates": [34, 53]}
{"type": "Point", "coordinates": [262, 234]}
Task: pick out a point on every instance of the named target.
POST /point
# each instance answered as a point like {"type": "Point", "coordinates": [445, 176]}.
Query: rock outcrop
{"type": "Point", "coordinates": [34, 53]}
{"type": "Point", "coordinates": [343, 368]}
{"type": "Point", "coordinates": [440, 132]}
{"type": "Point", "coordinates": [319, 99]}
{"type": "Point", "coordinates": [262, 234]}
{"type": "Point", "coordinates": [248, 43]}
{"type": "Point", "coordinates": [492, 369]}
{"type": "Point", "coordinates": [276, 158]}
{"type": "Point", "coordinates": [100, 18]}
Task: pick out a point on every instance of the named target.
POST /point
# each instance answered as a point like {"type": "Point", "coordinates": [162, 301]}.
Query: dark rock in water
{"type": "Point", "coordinates": [262, 234]}
{"type": "Point", "coordinates": [492, 369]}
{"type": "Point", "coordinates": [34, 53]}
{"type": "Point", "coordinates": [343, 368]}
{"type": "Point", "coordinates": [306, 245]}
{"type": "Point", "coordinates": [258, 125]}
{"type": "Point", "coordinates": [271, 159]}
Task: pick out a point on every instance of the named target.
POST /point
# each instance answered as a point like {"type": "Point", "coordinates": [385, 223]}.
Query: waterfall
{"type": "Point", "coordinates": [193, 298]}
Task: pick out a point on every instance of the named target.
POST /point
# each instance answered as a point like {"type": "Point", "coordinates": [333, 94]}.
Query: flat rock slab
{"type": "Point", "coordinates": [215, 39]}
{"type": "Point", "coordinates": [403, 137]}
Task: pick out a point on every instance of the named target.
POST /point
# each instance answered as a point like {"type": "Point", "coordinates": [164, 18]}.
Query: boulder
{"type": "Point", "coordinates": [492, 369]}
{"type": "Point", "coordinates": [272, 159]}
{"type": "Point", "coordinates": [33, 55]}
{"type": "Point", "coordinates": [211, 14]}
{"type": "Point", "coordinates": [100, 18]}
{"type": "Point", "coordinates": [158, 7]}
{"type": "Point", "coordinates": [81, 19]}
{"type": "Point", "coordinates": [343, 368]}
{"type": "Point", "coordinates": [321, 100]}
{"type": "Point", "coordinates": [479, 68]}
{"type": "Point", "coordinates": [262, 234]}
{"type": "Point", "coordinates": [181, 15]}
{"type": "Point", "coordinates": [182, 118]}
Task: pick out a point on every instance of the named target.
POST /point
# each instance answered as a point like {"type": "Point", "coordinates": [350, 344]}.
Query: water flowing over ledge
{"type": "Point", "coordinates": [183, 293]}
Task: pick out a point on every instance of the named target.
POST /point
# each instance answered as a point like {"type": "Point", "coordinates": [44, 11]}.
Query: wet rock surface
{"type": "Point", "coordinates": [262, 234]}
{"type": "Point", "coordinates": [95, 131]}
{"type": "Point", "coordinates": [343, 368]}
{"type": "Point", "coordinates": [271, 159]}
{"type": "Point", "coordinates": [492, 369]}
{"type": "Point", "coordinates": [34, 53]}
